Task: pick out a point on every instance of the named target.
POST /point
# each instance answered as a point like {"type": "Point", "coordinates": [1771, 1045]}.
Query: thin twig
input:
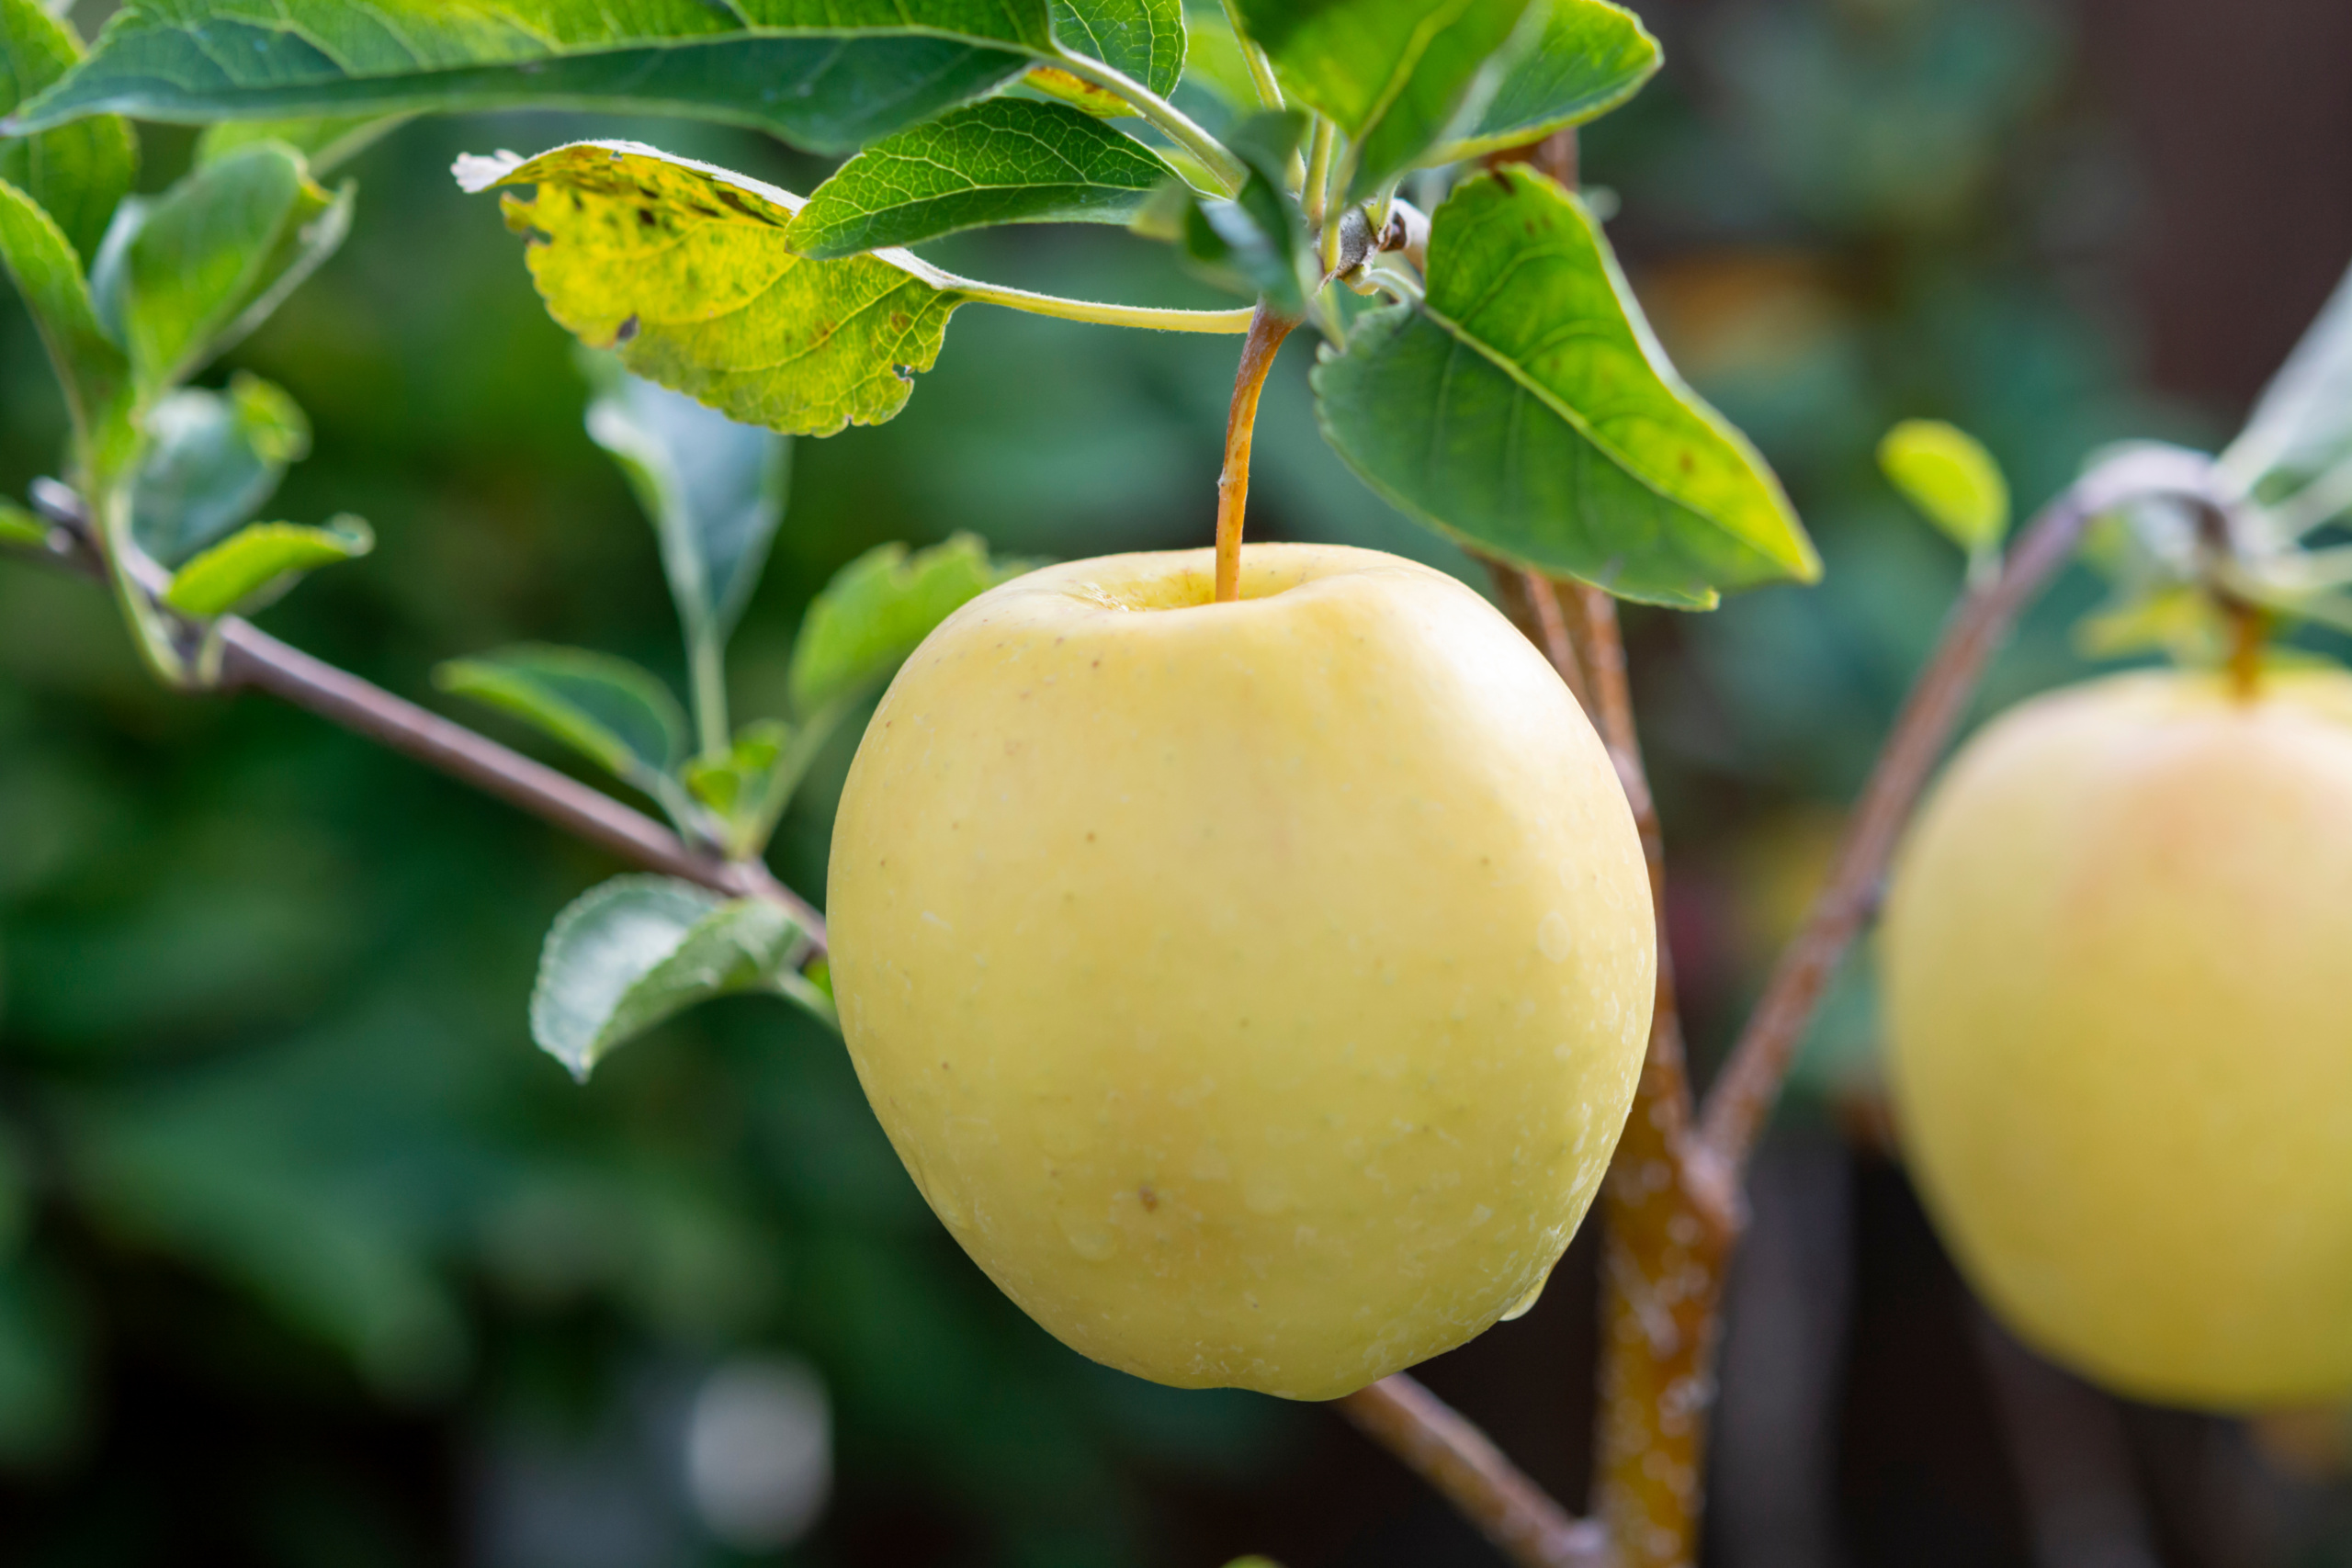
{"type": "Point", "coordinates": [252, 658]}
{"type": "Point", "coordinates": [1467, 1469]}
{"type": "Point", "coordinates": [1750, 1081]}
{"type": "Point", "coordinates": [260, 661]}
{"type": "Point", "coordinates": [1267, 330]}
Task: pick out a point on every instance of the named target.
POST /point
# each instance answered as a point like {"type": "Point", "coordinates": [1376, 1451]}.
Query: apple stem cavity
{"type": "Point", "coordinates": [1268, 328]}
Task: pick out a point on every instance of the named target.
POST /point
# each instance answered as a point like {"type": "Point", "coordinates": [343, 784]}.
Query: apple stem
{"type": "Point", "coordinates": [2249, 630]}
{"type": "Point", "coordinates": [1267, 330]}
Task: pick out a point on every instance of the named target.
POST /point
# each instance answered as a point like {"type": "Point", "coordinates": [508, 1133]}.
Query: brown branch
{"type": "Point", "coordinates": [1534, 606]}
{"type": "Point", "coordinates": [1750, 1081]}
{"type": "Point", "coordinates": [253, 659]}
{"type": "Point", "coordinates": [1555, 155]}
{"type": "Point", "coordinates": [1467, 1469]}
{"type": "Point", "coordinates": [1671, 1219]}
{"type": "Point", "coordinates": [1267, 331]}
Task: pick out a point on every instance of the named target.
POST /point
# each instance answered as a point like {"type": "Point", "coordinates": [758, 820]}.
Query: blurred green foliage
{"type": "Point", "coordinates": [271, 1125]}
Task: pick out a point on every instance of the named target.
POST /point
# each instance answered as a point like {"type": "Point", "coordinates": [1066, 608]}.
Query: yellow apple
{"type": "Point", "coordinates": [1256, 991]}
{"type": "Point", "coordinates": [2119, 985]}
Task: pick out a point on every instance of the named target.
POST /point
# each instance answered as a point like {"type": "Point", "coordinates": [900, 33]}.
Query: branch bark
{"type": "Point", "coordinates": [1534, 606]}
{"type": "Point", "coordinates": [1670, 1219]}
{"type": "Point", "coordinates": [257, 660]}
{"type": "Point", "coordinates": [1465, 1468]}
{"type": "Point", "coordinates": [252, 659]}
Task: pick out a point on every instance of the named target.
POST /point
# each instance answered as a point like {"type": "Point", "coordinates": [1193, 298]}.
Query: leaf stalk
{"type": "Point", "coordinates": [1173, 122]}
{"type": "Point", "coordinates": [1149, 317]}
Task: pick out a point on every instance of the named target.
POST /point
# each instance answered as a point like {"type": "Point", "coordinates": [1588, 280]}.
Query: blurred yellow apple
{"type": "Point", "coordinates": [1256, 991]}
{"type": "Point", "coordinates": [2119, 985]}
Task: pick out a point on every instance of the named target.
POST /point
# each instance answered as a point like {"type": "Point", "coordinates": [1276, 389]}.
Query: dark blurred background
{"type": "Point", "coordinates": [310, 1259]}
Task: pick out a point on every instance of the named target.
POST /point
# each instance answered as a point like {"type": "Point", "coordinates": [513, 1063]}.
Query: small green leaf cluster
{"type": "Point", "coordinates": [133, 297]}
{"type": "Point", "coordinates": [636, 949]}
{"type": "Point", "coordinates": [2206, 558]}
{"type": "Point", "coordinates": [714, 491]}
{"type": "Point", "coordinates": [1508, 393]}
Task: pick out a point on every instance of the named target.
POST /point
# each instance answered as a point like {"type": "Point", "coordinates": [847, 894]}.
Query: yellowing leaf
{"type": "Point", "coordinates": [685, 268]}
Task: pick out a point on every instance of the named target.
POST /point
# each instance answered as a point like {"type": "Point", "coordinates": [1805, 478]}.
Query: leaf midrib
{"type": "Point", "coordinates": [1577, 423]}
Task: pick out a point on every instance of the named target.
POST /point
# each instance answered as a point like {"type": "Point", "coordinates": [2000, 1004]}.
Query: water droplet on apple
{"type": "Point", "coordinates": [1525, 1304]}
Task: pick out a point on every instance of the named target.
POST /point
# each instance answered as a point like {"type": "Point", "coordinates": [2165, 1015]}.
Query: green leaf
{"type": "Point", "coordinates": [828, 74]}
{"type": "Point", "coordinates": [324, 141]}
{"type": "Point", "coordinates": [1590, 58]}
{"type": "Point", "coordinates": [1216, 85]}
{"type": "Point", "coordinates": [41, 263]}
{"type": "Point", "coordinates": [714, 488]}
{"type": "Point", "coordinates": [686, 268]}
{"type": "Point", "coordinates": [76, 173]}
{"type": "Point", "coordinates": [1004, 161]}
{"type": "Point", "coordinates": [874, 612]}
{"type": "Point", "coordinates": [260, 562]}
{"type": "Point", "coordinates": [1256, 244]}
{"type": "Point", "coordinates": [607, 709]}
{"type": "Point", "coordinates": [1399, 76]}
{"type": "Point", "coordinates": [21, 528]}
{"type": "Point", "coordinates": [2302, 426]}
{"type": "Point", "coordinates": [1948, 476]}
{"type": "Point", "coordinates": [748, 785]}
{"type": "Point", "coordinates": [187, 275]}
{"type": "Point", "coordinates": [212, 460]}
{"type": "Point", "coordinates": [1524, 408]}
{"type": "Point", "coordinates": [637, 950]}
{"type": "Point", "coordinates": [1141, 39]}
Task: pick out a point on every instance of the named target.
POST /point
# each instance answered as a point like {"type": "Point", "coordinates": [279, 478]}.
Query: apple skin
{"type": "Point", "coordinates": [2118, 963]}
{"type": "Point", "coordinates": [1255, 990]}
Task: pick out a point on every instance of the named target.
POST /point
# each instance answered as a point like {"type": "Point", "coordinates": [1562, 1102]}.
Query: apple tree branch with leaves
{"type": "Point", "coordinates": [1391, 180]}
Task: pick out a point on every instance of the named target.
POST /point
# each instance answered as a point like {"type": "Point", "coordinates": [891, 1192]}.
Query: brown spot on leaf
{"type": "Point", "coordinates": [1150, 1199]}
